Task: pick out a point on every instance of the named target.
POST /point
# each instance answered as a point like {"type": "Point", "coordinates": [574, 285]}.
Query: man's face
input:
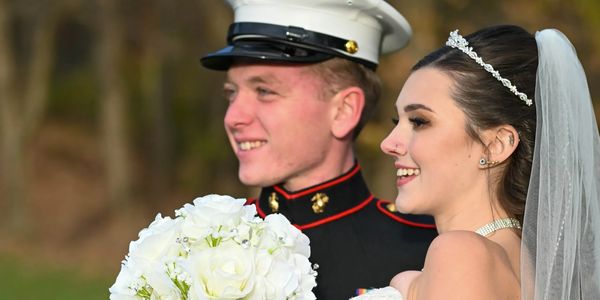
{"type": "Point", "coordinates": [278, 124]}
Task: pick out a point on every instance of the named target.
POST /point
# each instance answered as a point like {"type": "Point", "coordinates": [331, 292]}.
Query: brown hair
{"type": "Point", "coordinates": [512, 51]}
{"type": "Point", "coordinates": [338, 73]}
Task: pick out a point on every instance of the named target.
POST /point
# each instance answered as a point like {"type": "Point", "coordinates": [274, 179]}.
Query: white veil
{"type": "Point", "coordinates": [561, 232]}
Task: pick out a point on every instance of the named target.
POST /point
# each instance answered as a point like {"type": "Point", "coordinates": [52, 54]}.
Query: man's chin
{"type": "Point", "coordinates": [256, 181]}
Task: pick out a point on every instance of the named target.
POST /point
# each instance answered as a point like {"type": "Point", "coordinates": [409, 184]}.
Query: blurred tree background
{"type": "Point", "coordinates": [107, 118]}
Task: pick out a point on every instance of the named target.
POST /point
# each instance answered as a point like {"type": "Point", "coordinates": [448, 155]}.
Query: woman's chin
{"type": "Point", "coordinates": [406, 207]}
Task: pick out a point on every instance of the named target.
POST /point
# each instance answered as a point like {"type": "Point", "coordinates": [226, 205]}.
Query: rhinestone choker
{"type": "Point", "coordinates": [496, 225]}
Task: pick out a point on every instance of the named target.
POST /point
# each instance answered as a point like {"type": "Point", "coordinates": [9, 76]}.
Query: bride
{"type": "Point", "coordinates": [496, 138]}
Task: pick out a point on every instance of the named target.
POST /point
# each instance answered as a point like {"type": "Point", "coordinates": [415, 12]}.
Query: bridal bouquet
{"type": "Point", "coordinates": [217, 248]}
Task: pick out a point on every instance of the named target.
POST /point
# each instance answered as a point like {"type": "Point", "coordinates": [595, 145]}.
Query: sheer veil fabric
{"type": "Point", "coordinates": [561, 232]}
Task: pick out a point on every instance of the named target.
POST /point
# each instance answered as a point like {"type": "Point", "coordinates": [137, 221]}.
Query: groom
{"type": "Point", "coordinates": [301, 84]}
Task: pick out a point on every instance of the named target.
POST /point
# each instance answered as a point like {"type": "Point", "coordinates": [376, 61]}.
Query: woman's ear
{"type": "Point", "coordinates": [347, 110]}
{"type": "Point", "coordinates": [502, 141]}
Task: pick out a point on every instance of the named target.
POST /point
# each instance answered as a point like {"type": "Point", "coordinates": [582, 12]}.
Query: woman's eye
{"type": "Point", "coordinates": [395, 121]}
{"type": "Point", "coordinates": [418, 122]}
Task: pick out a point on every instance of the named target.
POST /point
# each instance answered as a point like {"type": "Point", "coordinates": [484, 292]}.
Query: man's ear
{"type": "Point", "coordinates": [501, 141]}
{"type": "Point", "coordinates": [348, 105]}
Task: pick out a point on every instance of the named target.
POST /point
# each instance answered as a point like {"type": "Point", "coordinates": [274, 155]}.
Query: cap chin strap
{"type": "Point", "coordinates": [296, 37]}
{"type": "Point", "coordinates": [286, 33]}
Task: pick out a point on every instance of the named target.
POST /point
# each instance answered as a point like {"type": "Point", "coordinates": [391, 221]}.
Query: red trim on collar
{"type": "Point", "coordinates": [390, 214]}
{"type": "Point", "coordinates": [262, 214]}
{"type": "Point", "coordinates": [336, 216]}
{"type": "Point", "coordinates": [291, 196]}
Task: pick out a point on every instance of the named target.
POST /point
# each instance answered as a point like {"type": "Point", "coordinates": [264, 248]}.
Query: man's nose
{"type": "Point", "coordinates": [240, 111]}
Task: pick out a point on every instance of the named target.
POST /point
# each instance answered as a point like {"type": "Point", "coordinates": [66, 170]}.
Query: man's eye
{"type": "Point", "coordinates": [228, 94]}
{"type": "Point", "coordinates": [264, 91]}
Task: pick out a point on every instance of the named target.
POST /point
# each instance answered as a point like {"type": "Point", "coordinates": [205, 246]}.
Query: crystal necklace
{"type": "Point", "coordinates": [496, 225]}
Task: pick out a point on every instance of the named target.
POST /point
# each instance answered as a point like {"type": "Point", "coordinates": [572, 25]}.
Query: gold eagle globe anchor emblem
{"type": "Point", "coordinates": [319, 201]}
{"type": "Point", "coordinates": [273, 202]}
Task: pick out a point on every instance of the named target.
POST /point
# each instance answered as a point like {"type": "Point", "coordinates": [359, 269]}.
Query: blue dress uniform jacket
{"type": "Point", "coordinates": [356, 240]}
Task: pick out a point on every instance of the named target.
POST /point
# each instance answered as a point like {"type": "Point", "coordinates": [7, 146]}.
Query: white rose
{"type": "Point", "coordinates": [150, 254]}
{"type": "Point", "coordinates": [122, 288]}
{"type": "Point", "coordinates": [137, 274]}
{"type": "Point", "coordinates": [275, 279]}
{"type": "Point", "coordinates": [307, 278]}
{"type": "Point", "coordinates": [158, 240]}
{"type": "Point", "coordinates": [156, 276]}
{"type": "Point", "coordinates": [282, 273]}
{"type": "Point", "coordinates": [287, 235]}
{"type": "Point", "coordinates": [217, 211]}
{"type": "Point", "coordinates": [216, 219]}
{"type": "Point", "coordinates": [263, 289]}
{"type": "Point", "coordinates": [224, 272]}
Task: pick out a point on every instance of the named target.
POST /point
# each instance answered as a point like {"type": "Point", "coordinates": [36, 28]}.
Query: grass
{"type": "Point", "coordinates": [21, 280]}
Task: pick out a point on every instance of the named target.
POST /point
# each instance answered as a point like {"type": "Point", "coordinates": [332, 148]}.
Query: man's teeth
{"type": "Point", "coordinates": [250, 145]}
{"type": "Point", "coordinates": [408, 172]}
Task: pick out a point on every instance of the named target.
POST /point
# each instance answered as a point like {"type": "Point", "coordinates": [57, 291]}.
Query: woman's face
{"type": "Point", "coordinates": [436, 160]}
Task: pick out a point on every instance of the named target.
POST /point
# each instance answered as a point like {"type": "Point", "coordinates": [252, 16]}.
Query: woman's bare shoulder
{"type": "Point", "coordinates": [462, 264]}
{"type": "Point", "coordinates": [461, 245]}
{"type": "Point", "coordinates": [462, 253]}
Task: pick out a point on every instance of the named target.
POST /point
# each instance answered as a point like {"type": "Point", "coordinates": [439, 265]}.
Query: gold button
{"type": "Point", "coordinates": [391, 207]}
{"type": "Point", "coordinates": [273, 203]}
{"type": "Point", "coordinates": [351, 46]}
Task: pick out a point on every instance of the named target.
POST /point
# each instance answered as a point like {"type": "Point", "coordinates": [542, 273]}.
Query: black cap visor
{"type": "Point", "coordinates": [278, 44]}
{"type": "Point", "coordinates": [262, 51]}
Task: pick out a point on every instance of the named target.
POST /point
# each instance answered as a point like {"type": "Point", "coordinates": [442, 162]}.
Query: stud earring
{"type": "Point", "coordinates": [484, 163]}
{"type": "Point", "coordinates": [511, 139]}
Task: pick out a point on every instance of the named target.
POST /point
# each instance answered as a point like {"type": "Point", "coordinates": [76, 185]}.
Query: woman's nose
{"type": "Point", "coordinates": [392, 145]}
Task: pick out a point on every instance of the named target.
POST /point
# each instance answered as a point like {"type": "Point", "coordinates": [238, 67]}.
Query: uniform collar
{"type": "Point", "coordinates": [319, 204]}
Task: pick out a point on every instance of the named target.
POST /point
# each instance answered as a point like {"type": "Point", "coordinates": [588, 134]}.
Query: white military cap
{"type": "Point", "coordinates": [308, 31]}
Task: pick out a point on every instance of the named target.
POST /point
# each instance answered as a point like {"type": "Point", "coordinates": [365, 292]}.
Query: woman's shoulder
{"type": "Point", "coordinates": [465, 262]}
{"type": "Point", "coordinates": [462, 249]}
{"type": "Point", "coordinates": [461, 243]}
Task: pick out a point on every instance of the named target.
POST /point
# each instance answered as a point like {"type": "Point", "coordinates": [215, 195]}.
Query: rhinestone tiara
{"type": "Point", "coordinates": [455, 40]}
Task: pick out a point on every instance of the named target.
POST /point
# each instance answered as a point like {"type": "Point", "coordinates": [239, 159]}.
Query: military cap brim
{"type": "Point", "coordinates": [309, 31]}
{"type": "Point", "coordinates": [272, 48]}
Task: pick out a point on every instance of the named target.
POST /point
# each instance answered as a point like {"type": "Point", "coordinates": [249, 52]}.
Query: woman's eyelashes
{"type": "Point", "coordinates": [416, 122]}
